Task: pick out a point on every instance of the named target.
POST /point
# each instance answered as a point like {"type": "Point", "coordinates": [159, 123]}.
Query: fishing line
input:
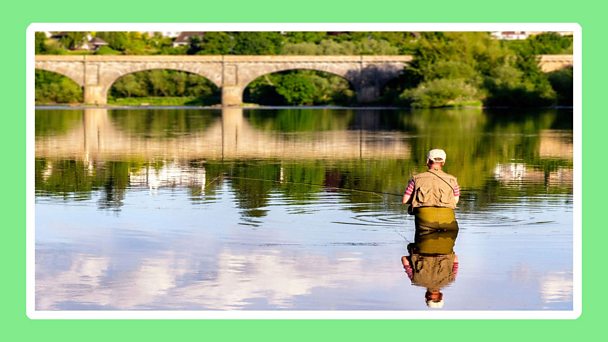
{"type": "Point", "coordinates": [378, 193]}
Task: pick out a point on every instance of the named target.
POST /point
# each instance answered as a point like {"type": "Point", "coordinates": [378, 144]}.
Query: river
{"type": "Point", "coordinates": [295, 208]}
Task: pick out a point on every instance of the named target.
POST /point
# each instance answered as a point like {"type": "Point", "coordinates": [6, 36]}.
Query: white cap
{"type": "Point", "coordinates": [434, 305]}
{"type": "Point", "coordinates": [436, 154]}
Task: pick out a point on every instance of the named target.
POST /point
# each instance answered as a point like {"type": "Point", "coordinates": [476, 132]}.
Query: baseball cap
{"type": "Point", "coordinates": [434, 305]}
{"type": "Point", "coordinates": [435, 154]}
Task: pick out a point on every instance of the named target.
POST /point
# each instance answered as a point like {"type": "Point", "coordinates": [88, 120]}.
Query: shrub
{"type": "Point", "coordinates": [562, 82]}
{"type": "Point", "coordinates": [442, 93]}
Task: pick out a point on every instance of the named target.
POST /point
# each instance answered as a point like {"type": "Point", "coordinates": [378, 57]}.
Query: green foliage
{"type": "Point", "coordinates": [54, 88]}
{"type": "Point", "coordinates": [549, 43]}
{"type": "Point", "coordinates": [106, 50]}
{"type": "Point", "coordinates": [56, 122]}
{"type": "Point", "coordinates": [73, 40]}
{"type": "Point", "coordinates": [562, 82]}
{"type": "Point", "coordinates": [442, 92]}
{"type": "Point", "coordinates": [217, 43]}
{"type": "Point", "coordinates": [300, 87]}
{"type": "Point", "coordinates": [485, 70]}
{"type": "Point", "coordinates": [168, 83]}
{"type": "Point", "coordinates": [161, 123]}
{"type": "Point", "coordinates": [296, 90]}
{"type": "Point", "coordinates": [257, 43]}
{"type": "Point", "coordinates": [304, 37]}
{"type": "Point", "coordinates": [118, 41]}
{"type": "Point", "coordinates": [300, 120]}
{"type": "Point", "coordinates": [40, 42]}
{"type": "Point", "coordinates": [195, 45]}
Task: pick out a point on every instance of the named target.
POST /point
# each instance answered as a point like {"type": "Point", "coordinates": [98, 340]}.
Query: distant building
{"type": "Point", "coordinates": [510, 35]}
{"type": "Point", "coordinates": [169, 34]}
{"type": "Point", "coordinates": [91, 43]}
{"type": "Point", "coordinates": [183, 38]}
{"type": "Point", "coordinates": [516, 35]}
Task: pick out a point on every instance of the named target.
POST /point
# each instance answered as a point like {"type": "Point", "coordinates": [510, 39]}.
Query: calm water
{"type": "Point", "coordinates": [295, 209]}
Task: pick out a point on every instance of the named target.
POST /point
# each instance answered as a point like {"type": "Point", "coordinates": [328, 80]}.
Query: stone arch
{"type": "Point", "coordinates": [70, 72]}
{"type": "Point", "coordinates": [55, 87]}
{"type": "Point", "coordinates": [114, 74]}
{"type": "Point", "coordinates": [248, 75]}
{"type": "Point", "coordinates": [342, 76]}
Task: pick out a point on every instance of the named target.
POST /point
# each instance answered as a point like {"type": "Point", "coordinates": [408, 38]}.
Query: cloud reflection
{"type": "Point", "coordinates": [556, 287]}
{"type": "Point", "coordinates": [237, 280]}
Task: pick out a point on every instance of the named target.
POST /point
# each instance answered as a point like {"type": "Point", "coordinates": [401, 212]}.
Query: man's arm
{"type": "Point", "coordinates": [407, 195]}
{"type": "Point", "coordinates": [407, 267]}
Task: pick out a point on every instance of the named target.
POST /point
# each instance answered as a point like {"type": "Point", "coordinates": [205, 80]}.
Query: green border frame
{"type": "Point", "coordinates": [17, 325]}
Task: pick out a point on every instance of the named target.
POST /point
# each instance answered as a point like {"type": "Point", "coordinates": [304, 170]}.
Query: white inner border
{"type": "Point", "coordinates": [464, 314]}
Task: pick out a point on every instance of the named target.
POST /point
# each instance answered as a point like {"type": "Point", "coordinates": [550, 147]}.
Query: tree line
{"type": "Point", "coordinates": [448, 69]}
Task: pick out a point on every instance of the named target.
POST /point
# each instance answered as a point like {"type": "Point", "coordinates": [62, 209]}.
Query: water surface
{"type": "Point", "coordinates": [295, 209]}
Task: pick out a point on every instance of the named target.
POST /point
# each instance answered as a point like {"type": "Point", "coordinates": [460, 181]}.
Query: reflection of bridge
{"type": "Point", "coordinates": [366, 74]}
{"type": "Point", "coordinates": [230, 137]}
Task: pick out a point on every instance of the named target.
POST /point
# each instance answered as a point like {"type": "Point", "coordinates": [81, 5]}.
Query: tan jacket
{"type": "Point", "coordinates": [432, 271]}
{"type": "Point", "coordinates": [434, 189]}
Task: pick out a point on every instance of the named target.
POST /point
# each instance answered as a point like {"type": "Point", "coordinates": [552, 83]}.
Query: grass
{"type": "Point", "coordinates": [159, 101]}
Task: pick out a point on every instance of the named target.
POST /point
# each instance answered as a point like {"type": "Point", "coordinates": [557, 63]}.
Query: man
{"type": "Point", "coordinates": [433, 195]}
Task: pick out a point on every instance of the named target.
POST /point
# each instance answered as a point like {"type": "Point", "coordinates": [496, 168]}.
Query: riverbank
{"type": "Point", "coordinates": [257, 106]}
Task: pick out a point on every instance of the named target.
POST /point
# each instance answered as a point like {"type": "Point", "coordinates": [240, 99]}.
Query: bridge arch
{"type": "Point", "coordinates": [108, 87]}
{"type": "Point", "coordinates": [293, 72]}
{"type": "Point", "coordinates": [72, 73]}
{"type": "Point", "coordinates": [52, 87]}
{"type": "Point", "coordinates": [249, 77]}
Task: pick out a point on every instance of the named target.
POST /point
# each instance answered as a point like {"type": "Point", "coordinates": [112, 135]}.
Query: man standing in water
{"type": "Point", "coordinates": [433, 196]}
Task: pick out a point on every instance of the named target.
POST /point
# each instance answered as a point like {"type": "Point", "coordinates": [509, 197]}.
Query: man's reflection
{"type": "Point", "coordinates": [431, 262]}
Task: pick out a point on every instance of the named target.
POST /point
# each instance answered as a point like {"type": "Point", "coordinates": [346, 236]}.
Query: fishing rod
{"type": "Point", "coordinates": [378, 193]}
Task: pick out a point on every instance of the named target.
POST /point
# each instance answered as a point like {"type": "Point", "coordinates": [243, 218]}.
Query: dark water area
{"type": "Point", "coordinates": [295, 209]}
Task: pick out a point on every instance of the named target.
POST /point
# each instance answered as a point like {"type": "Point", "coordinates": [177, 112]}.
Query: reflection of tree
{"type": "Point", "coordinates": [115, 177]}
{"type": "Point", "coordinates": [300, 120]}
{"type": "Point", "coordinates": [65, 178]}
{"type": "Point", "coordinates": [167, 123]}
{"type": "Point", "coordinates": [56, 122]}
{"type": "Point", "coordinates": [477, 143]}
{"type": "Point", "coordinates": [252, 184]}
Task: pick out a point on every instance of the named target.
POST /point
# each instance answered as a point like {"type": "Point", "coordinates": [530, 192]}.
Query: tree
{"type": "Point", "coordinates": [194, 45]}
{"type": "Point", "coordinates": [73, 40]}
{"type": "Point", "coordinates": [296, 90]}
{"type": "Point", "coordinates": [217, 43]}
{"type": "Point", "coordinates": [257, 43]}
{"type": "Point", "coordinates": [40, 41]}
{"type": "Point", "coordinates": [128, 86]}
{"type": "Point", "coordinates": [550, 43]}
{"type": "Point", "coordinates": [118, 41]}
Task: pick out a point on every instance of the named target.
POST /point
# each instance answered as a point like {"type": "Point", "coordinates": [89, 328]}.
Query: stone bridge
{"type": "Point", "coordinates": [366, 74]}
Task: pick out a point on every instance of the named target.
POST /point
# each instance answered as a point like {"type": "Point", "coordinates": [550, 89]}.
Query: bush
{"type": "Point", "coordinates": [562, 82]}
{"type": "Point", "coordinates": [55, 88]}
{"type": "Point", "coordinates": [296, 90]}
{"type": "Point", "coordinates": [442, 93]}
{"type": "Point", "coordinates": [106, 50]}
